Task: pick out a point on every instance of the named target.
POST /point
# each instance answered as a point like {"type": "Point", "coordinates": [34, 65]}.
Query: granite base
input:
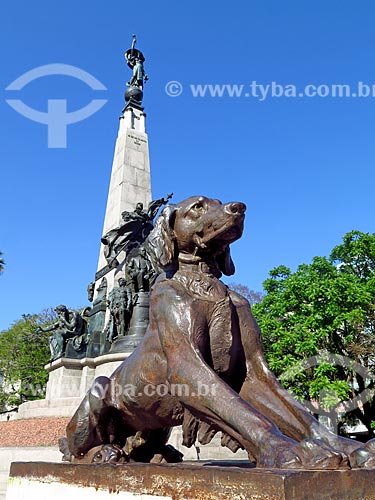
{"type": "Point", "coordinates": [187, 481]}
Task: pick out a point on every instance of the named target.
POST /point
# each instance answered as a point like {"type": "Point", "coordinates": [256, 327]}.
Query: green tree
{"type": "Point", "coordinates": [325, 308]}
{"type": "Point", "coordinates": [23, 355]}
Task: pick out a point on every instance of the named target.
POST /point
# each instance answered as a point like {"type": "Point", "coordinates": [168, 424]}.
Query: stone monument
{"type": "Point", "coordinates": [95, 341]}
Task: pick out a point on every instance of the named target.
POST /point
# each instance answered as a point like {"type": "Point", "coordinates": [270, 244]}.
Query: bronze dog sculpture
{"type": "Point", "coordinates": [201, 365]}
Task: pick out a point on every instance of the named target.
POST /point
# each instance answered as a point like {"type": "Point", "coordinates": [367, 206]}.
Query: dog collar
{"type": "Point", "coordinates": [195, 264]}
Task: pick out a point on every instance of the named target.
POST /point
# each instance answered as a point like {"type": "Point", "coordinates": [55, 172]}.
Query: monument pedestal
{"type": "Point", "coordinates": [138, 326]}
{"type": "Point", "coordinates": [203, 481]}
{"type": "Point", "coordinates": [68, 381]}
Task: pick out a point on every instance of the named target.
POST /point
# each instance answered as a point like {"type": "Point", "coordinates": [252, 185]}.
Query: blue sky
{"type": "Point", "coordinates": [304, 166]}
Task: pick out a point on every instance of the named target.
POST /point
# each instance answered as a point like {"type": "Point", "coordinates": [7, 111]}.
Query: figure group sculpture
{"type": "Point", "coordinates": [139, 272]}
{"type": "Point", "coordinates": [136, 278]}
{"type": "Point", "coordinates": [133, 232]}
{"type": "Point", "coordinates": [123, 298]}
{"type": "Point", "coordinates": [69, 326]}
{"type": "Point", "coordinates": [201, 365]}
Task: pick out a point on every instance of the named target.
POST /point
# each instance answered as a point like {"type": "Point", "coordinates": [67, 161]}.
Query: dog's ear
{"type": "Point", "coordinates": [225, 262]}
{"type": "Point", "coordinates": [161, 241]}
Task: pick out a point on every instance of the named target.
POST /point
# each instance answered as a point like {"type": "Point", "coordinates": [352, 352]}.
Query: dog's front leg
{"type": "Point", "coordinates": [206, 395]}
{"type": "Point", "coordinates": [84, 431]}
{"type": "Point", "coordinates": [262, 389]}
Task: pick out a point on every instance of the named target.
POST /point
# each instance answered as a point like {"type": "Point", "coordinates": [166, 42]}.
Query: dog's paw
{"type": "Point", "coordinates": [363, 457]}
{"type": "Point", "coordinates": [314, 454]}
{"type": "Point", "coordinates": [64, 449]}
{"type": "Point", "coordinates": [279, 457]}
{"type": "Point", "coordinates": [308, 454]}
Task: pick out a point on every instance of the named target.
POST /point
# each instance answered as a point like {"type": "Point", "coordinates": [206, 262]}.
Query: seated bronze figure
{"type": "Point", "coordinates": [201, 365]}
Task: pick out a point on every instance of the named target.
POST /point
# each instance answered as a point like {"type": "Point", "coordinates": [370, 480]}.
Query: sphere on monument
{"type": "Point", "coordinates": [133, 93]}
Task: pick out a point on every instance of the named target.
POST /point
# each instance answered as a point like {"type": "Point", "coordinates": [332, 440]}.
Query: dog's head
{"type": "Point", "coordinates": [197, 229]}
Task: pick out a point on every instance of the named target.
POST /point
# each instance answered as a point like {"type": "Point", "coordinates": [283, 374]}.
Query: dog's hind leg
{"type": "Point", "coordinates": [85, 430]}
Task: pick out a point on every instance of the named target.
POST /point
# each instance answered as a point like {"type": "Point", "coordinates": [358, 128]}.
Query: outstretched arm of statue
{"type": "Point", "coordinates": [154, 205]}
{"type": "Point", "coordinates": [48, 328]}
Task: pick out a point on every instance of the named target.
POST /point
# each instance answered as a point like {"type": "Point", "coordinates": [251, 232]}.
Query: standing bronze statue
{"type": "Point", "coordinates": [201, 364]}
{"type": "Point", "coordinates": [140, 270]}
{"type": "Point", "coordinates": [135, 59]}
{"type": "Point", "coordinates": [120, 303]}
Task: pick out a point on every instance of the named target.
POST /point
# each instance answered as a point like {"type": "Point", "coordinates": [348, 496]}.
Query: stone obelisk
{"type": "Point", "coordinates": [130, 179]}
{"type": "Point", "coordinates": [130, 185]}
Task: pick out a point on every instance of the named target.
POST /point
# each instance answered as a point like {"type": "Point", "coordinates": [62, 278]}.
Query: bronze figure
{"type": "Point", "coordinates": [133, 232]}
{"type": "Point", "coordinates": [201, 365]}
{"type": "Point", "coordinates": [69, 325]}
{"type": "Point", "coordinates": [139, 270]}
{"type": "Point", "coordinates": [120, 303]}
{"type": "Point", "coordinates": [134, 92]}
{"type": "Point", "coordinates": [135, 60]}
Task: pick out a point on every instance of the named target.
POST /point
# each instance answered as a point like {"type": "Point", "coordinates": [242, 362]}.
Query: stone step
{"type": "Point", "coordinates": [20, 454]}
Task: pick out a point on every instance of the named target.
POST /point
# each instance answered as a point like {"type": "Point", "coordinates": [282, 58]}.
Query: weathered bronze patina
{"type": "Point", "coordinates": [133, 232]}
{"type": "Point", "coordinates": [135, 59]}
{"type": "Point", "coordinates": [201, 365]}
{"type": "Point", "coordinates": [120, 306]}
{"type": "Point", "coordinates": [70, 328]}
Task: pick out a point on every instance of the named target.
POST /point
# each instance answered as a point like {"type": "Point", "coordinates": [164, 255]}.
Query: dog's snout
{"type": "Point", "coordinates": [235, 207]}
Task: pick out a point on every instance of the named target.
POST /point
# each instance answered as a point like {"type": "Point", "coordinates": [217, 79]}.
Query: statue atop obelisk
{"type": "Point", "coordinates": [135, 60]}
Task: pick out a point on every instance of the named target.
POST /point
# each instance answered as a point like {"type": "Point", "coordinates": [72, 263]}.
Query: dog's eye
{"type": "Point", "coordinates": [198, 207]}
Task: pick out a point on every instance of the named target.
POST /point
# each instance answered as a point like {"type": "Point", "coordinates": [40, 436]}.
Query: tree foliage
{"type": "Point", "coordinates": [325, 308]}
{"type": "Point", "coordinates": [23, 355]}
